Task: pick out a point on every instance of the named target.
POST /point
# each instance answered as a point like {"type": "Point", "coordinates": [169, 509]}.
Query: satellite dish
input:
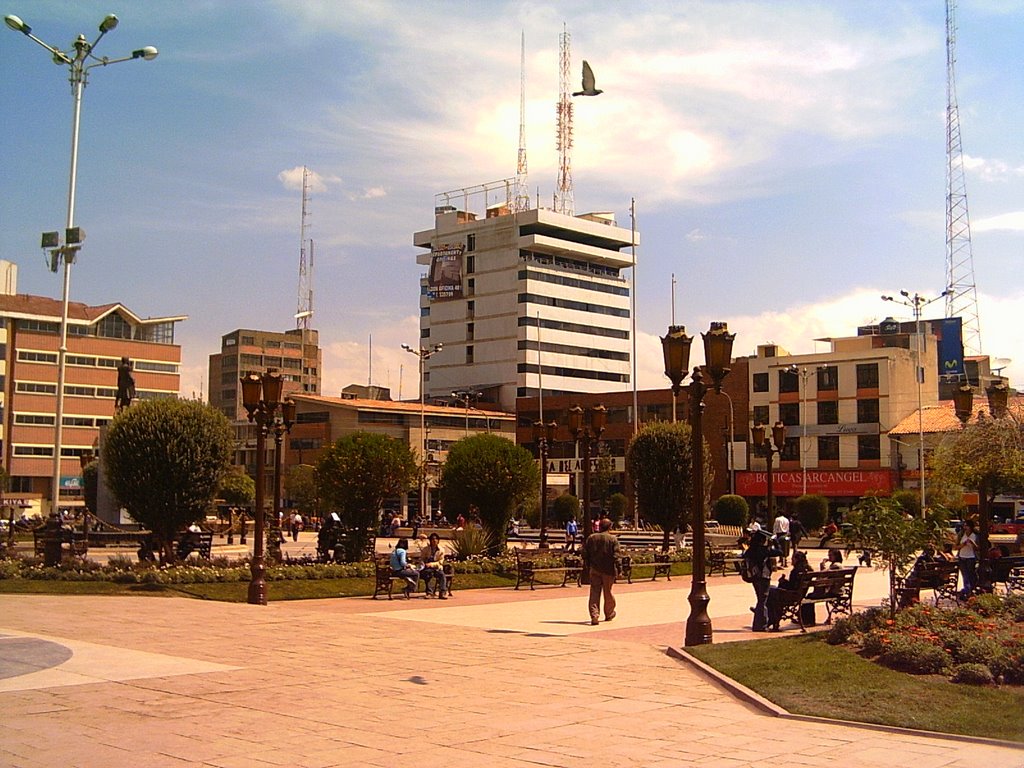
{"type": "Point", "coordinates": [999, 363]}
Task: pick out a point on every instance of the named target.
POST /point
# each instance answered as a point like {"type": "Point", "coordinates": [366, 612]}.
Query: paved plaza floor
{"type": "Point", "coordinates": [490, 678]}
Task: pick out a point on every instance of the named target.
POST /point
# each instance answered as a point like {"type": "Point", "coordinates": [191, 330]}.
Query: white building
{"type": "Point", "coordinates": [524, 299]}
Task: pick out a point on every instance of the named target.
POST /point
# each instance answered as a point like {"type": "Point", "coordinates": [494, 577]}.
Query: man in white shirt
{"type": "Point", "coordinates": [781, 530]}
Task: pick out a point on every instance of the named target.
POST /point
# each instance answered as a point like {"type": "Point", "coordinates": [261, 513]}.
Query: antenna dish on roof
{"type": "Point", "coordinates": [999, 363]}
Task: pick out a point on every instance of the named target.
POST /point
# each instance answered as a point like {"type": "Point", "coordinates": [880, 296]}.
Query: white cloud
{"type": "Point", "coordinates": [992, 170]}
{"type": "Point", "coordinates": [1011, 222]}
{"type": "Point", "coordinates": [292, 179]}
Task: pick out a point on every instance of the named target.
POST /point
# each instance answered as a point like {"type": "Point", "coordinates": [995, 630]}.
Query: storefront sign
{"type": "Point", "coordinates": [570, 466]}
{"type": "Point", "coordinates": [832, 483]}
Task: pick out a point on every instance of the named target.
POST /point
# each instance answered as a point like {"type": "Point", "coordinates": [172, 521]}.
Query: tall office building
{"type": "Point", "coordinates": [98, 337]}
{"type": "Point", "coordinates": [525, 299]}
{"type": "Point", "coordinates": [295, 354]}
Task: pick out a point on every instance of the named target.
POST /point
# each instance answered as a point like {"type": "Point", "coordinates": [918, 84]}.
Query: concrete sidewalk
{"type": "Point", "coordinates": [491, 677]}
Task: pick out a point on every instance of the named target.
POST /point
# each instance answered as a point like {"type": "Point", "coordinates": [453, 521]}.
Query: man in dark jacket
{"type": "Point", "coordinates": [601, 559]}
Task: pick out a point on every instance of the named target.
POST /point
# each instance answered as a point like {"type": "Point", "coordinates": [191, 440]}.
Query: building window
{"type": "Point", "coordinates": [230, 342]}
{"type": "Point", "coordinates": [33, 418]}
{"type": "Point", "coordinates": [21, 485]}
{"type": "Point", "coordinates": [471, 286]}
{"type": "Point", "coordinates": [313, 417]}
{"type": "Point", "coordinates": [828, 412]}
{"type": "Point", "coordinates": [789, 380]}
{"type": "Point", "coordinates": [470, 246]}
{"type": "Point", "coordinates": [828, 378]}
{"type": "Point", "coordinates": [470, 331]}
{"type": "Point", "coordinates": [789, 413]}
{"type": "Point", "coordinates": [33, 450]}
{"type": "Point", "coordinates": [271, 344]}
{"type": "Point", "coordinates": [790, 449]}
{"type": "Point", "coordinates": [828, 448]}
{"type": "Point", "coordinates": [867, 411]}
{"type": "Point", "coordinates": [26, 356]}
{"type": "Point", "coordinates": [470, 308]}
{"type": "Point", "coordinates": [249, 340]}
{"type": "Point", "coordinates": [33, 387]}
{"type": "Point", "coordinates": [869, 447]}
{"type": "Point", "coordinates": [143, 365]}
{"type": "Point", "coordinates": [113, 326]}
{"type": "Point", "coordinates": [424, 311]}
{"type": "Point", "coordinates": [867, 376]}
{"type": "Point", "coordinates": [760, 414]}
{"type": "Point", "coordinates": [469, 354]}
{"type": "Point", "coordinates": [424, 333]}
{"type": "Point", "coordinates": [38, 326]}
{"type": "Point", "coordinates": [761, 382]}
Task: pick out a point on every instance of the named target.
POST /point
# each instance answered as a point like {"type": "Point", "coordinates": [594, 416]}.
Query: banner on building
{"type": "Point", "coordinates": [951, 347]}
{"type": "Point", "coordinates": [445, 279]}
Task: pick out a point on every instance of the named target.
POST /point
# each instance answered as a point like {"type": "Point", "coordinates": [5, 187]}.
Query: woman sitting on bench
{"type": "Point", "coordinates": [400, 567]}
{"type": "Point", "coordinates": [786, 584]}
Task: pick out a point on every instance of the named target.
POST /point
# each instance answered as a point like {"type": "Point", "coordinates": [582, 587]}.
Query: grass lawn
{"type": "Point", "coordinates": [806, 675]}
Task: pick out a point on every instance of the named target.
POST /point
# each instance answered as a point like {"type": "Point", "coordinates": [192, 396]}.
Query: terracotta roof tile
{"type": "Point", "coordinates": [942, 417]}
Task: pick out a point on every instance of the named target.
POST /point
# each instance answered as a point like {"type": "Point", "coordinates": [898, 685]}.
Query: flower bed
{"type": "Point", "coordinates": [976, 643]}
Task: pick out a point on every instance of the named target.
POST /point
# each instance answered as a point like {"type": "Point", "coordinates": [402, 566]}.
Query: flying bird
{"type": "Point", "coordinates": [588, 82]}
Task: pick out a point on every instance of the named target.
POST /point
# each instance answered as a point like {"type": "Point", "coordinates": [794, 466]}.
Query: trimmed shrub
{"type": "Point", "coordinates": [617, 506]}
{"type": "Point", "coordinates": [563, 508]}
{"type": "Point", "coordinates": [812, 509]}
{"type": "Point", "coordinates": [972, 674]}
{"type": "Point", "coordinates": [731, 509]}
{"type": "Point", "coordinates": [909, 654]}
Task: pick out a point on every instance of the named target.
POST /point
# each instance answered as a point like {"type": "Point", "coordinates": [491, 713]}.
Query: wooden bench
{"type": "Point", "coordinates": [385, 578]}
{"type": "Point", "coordinates": [721, 558]}
{"type": "Point", "coordinates": [834, 588]}
{"type": "Point", "coordinates": [201, 543]}
{"type": "Point", "coordinates": [659, 563]}
{"type": "Point", "coordinates": [531, 562]}
{"type": "Point", "coordinates": [940, 576]}
{"type": "Point", "coordinates": [72, 542]}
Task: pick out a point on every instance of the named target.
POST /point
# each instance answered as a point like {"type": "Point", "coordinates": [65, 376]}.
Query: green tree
{"type": "Point", "coordinates": [659, 461]}
{"type": "Point", "coordinates": [564, 508]}
{"type": "Point", "coordinates": [812, 509]}
{"type": "Point", "coordinates": [883, 526]}
{"type": "Point", "coordinates": [492, 474]}
{"type": "Point", "coordinates": [617, 506]}
{"type": "Point", "coordinates": [164, 460]}
{"type": "Point", "coordinates": [237, 489]}
{"type": "Point", "coordinates": [356, 475]}
{"type": "Point", "coordinates": [301, 489]}
{"type": "Point", "coordinates": [601, 477]}
{"type": "Point", "coordinates": [909, 501]}
{"type": "Point", "coordinates": [986, 456]}
{"type": "Point", "coordinates": [731, 509]}
{"type": "Point", "coordinates": [91, 485]}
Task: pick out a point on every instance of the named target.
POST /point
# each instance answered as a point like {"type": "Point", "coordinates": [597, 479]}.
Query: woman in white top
{"type": "Point", "coordinates": [967, 558]}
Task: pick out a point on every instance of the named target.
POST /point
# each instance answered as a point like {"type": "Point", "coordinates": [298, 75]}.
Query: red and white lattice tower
{"type": "Point", "coordinates": [305, 305]}
{"type": "Point", "coordinates": [962, 301]}
{"type": "Point", "coordinates": [563, 188]}
{"type": "Point", "coordinates": [522, 192]}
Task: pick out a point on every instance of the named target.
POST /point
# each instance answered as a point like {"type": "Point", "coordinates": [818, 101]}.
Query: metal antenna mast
{"type": "Point", "coordinates": [522, 196]}
{"type": "Point", "coordinates": [564, 202]}
{"type": "Point", "coordinates": [305, 305]}
{"type": "Point", "coordinates": [962, 300]}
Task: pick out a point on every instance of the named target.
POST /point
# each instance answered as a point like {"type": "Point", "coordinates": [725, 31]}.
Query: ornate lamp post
{"type": "Point", "coordinates": [424, 354]}
{"type": "Point", "coordinates": [717, 356]}
{"type": "Point", "coordinates": [544, 434]}
{"type": "Point", "coordinates": [586, 427]}
{"type": "Point", "coordinates": [762, 442]}
{"type": "Point", "coordinates": [281, 427]}
{"type": "Point", "coordinates": [261, 396]}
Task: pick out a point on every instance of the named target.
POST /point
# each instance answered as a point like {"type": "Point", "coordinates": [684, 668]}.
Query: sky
{"type": "Point", "coordinates": [787, 159]}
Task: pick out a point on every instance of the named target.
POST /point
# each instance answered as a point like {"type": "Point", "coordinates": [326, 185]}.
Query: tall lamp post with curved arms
{"type": "Point", "coordinates": [79, 66]}
{"type": "Point", "coordinates": [423, 354]}
{"type": "Point", "coordinates": [717, 356]}
{"type": "Point", "coordinates": [544, 435]}
{"type": "Point", "coordinates": [586, 426]}
{"type": "Point", "coordinates": [762, 442]}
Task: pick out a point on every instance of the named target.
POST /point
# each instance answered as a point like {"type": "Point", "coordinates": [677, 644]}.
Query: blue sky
{"type": "Point", "coordinates": [787, 158]}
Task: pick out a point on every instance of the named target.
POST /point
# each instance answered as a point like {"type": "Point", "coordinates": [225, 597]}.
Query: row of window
{"type": "Point", "coordinates": [827, 412]}
{"type": "Point", "coordinates": [47, 450]}
{"type": "Point", "coordinates": [113, 326]}
{"type": "Point", "coordinates": [581, 306]}
{"type": "Point", "coordinates": [572, 282]}
{"type": "Point", "coordinates": [532, 321]}
{"type": "Point", "coordinates": [42, 419]}
{"type": "Point", "coordinates": [574, 373]}
{"type": "Point", "coordinates": [569, 349]}
{"type": "Point", "coordinates": [827, 378]}
{"type": "Point", "coordinates": [75, 390]}
{"type": "Point", "coordinates": [90, 361]}
{"type": "Point", "coordinates": [869, 448]}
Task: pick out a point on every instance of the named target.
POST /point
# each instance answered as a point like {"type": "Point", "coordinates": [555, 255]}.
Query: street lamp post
{"type": "Point", "coordinates": [423, 354]}
{"type": "Point", "coordinates": [544, 434]}
{"type": "Point", "coordinates": [281, 427]}
{"type": "Point", "coordinates": [717, 356]}
{"type": "Point", "coordinates": [261, 396]}
{"type": "Point", "coordinates": [466, 397]}
{"type": "Point", "coordinates": [917, 303]}
{"type": "Point", "coordinates": [762, 441]}
{"type": "Point", "coordinates": [586, 426]}
{"type": "Point", "coordinates": [729, 459]}
{"type": "Point", "coordinates": [79, 68]}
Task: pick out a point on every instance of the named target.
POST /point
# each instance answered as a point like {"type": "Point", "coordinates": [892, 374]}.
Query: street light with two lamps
{"type": "Point", "coordinates": [79, 64]}
{"type": "Point", "coordinates": [423, 354]}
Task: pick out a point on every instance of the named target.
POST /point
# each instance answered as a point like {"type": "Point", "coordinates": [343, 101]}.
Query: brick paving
{"type": "Point", "coordinates": [493, 677]}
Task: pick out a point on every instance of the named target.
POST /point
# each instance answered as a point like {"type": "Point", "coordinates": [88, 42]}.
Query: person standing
{"type": "Point", "coordinates": [601, 559]}
{"type": "Point", "coordinates": [571, 531]}
{"type": "Point", "coordinates": [967, 558]}
{"type": "Point", "coordinates": [296, 525]}
{"type": "Point", "coordinates": [796, 531]}
{"type": "Point", "coordinates": [759, 569]}
{"type": "Point", "coordinates": [780, 527]}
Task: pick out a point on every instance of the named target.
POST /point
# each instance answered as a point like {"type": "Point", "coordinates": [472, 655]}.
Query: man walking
{"type": "Point", "coordinates": [601, 560]}
{"type": "Point", "coordinates": [780, 528]}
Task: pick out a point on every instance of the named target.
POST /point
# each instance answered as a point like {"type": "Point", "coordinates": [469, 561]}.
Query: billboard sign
{"type": "Point", "coordinates": [445, 279]}
{"type": "Point", "coordinates": [832, 483]}
{"type": "Point", "coordinates": [951, 347]}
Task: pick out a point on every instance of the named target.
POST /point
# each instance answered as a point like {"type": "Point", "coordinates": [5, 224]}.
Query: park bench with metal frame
{"type": "Point", "coordinates": [833, 588]}
{"type": "Point", "coordinates": [721, 558]}
{"type": "Point", "coordinates": [531, 562]}
{"type": "Point", "coordinates": [660, 563]}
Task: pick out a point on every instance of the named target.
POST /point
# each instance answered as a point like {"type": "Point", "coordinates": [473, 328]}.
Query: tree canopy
{"type": "Point", "coordinates": [301, 489]}
{"type": "Point", "coordinates": [492, 475]}
{"type": "Point", "coordinates": [164, 460]}
{"type": "Point", "coordinates": [356, 475]}
{"type": "Point", "coordinates": [237, 489]}
{"type": "Point", "coordinates": [659, 461]}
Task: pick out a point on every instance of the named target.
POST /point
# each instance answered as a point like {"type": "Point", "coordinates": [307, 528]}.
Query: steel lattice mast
{"type": "Point", "coordinates": [522, 193]}
{"type": "Point", "coordinates": [962, 300]}
{"type": "Point", "coordinates": [304, 310]}
{"type": "Point", "coordinates": [564, 202]}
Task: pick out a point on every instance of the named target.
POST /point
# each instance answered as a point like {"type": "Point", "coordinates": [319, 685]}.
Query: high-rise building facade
{"type": "Point", "coordinates": [98, 337]}
{"type": "Point", "coordinates": [295, 354]}
{"type": "Point", "coordinates": [524, 300]}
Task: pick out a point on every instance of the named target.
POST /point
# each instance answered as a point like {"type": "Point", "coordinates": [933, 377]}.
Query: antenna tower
{"type": "Point", "coordinates": [564, 202]}
{"type": "Point", "coordinates": [522, 197]}
{"type": "Point", "coordinates": [962, 300]}
{"type": "Point", "coordinates": [305, 305]}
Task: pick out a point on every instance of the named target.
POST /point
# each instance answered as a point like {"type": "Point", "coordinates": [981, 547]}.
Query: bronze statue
{"type": "Point", "coordinates": [125, 385]}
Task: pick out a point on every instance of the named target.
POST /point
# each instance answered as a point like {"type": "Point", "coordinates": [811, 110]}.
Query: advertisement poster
{"type": "Point", "coordinates": [445, 278]}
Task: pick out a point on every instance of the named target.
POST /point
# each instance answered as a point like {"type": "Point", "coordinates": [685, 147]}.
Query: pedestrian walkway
{"type": "Point", "coordinates": [493, 677]}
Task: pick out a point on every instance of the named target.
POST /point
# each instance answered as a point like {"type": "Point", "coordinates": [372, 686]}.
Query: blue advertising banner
{"type": "Point", "coordinates": [951, 348]}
